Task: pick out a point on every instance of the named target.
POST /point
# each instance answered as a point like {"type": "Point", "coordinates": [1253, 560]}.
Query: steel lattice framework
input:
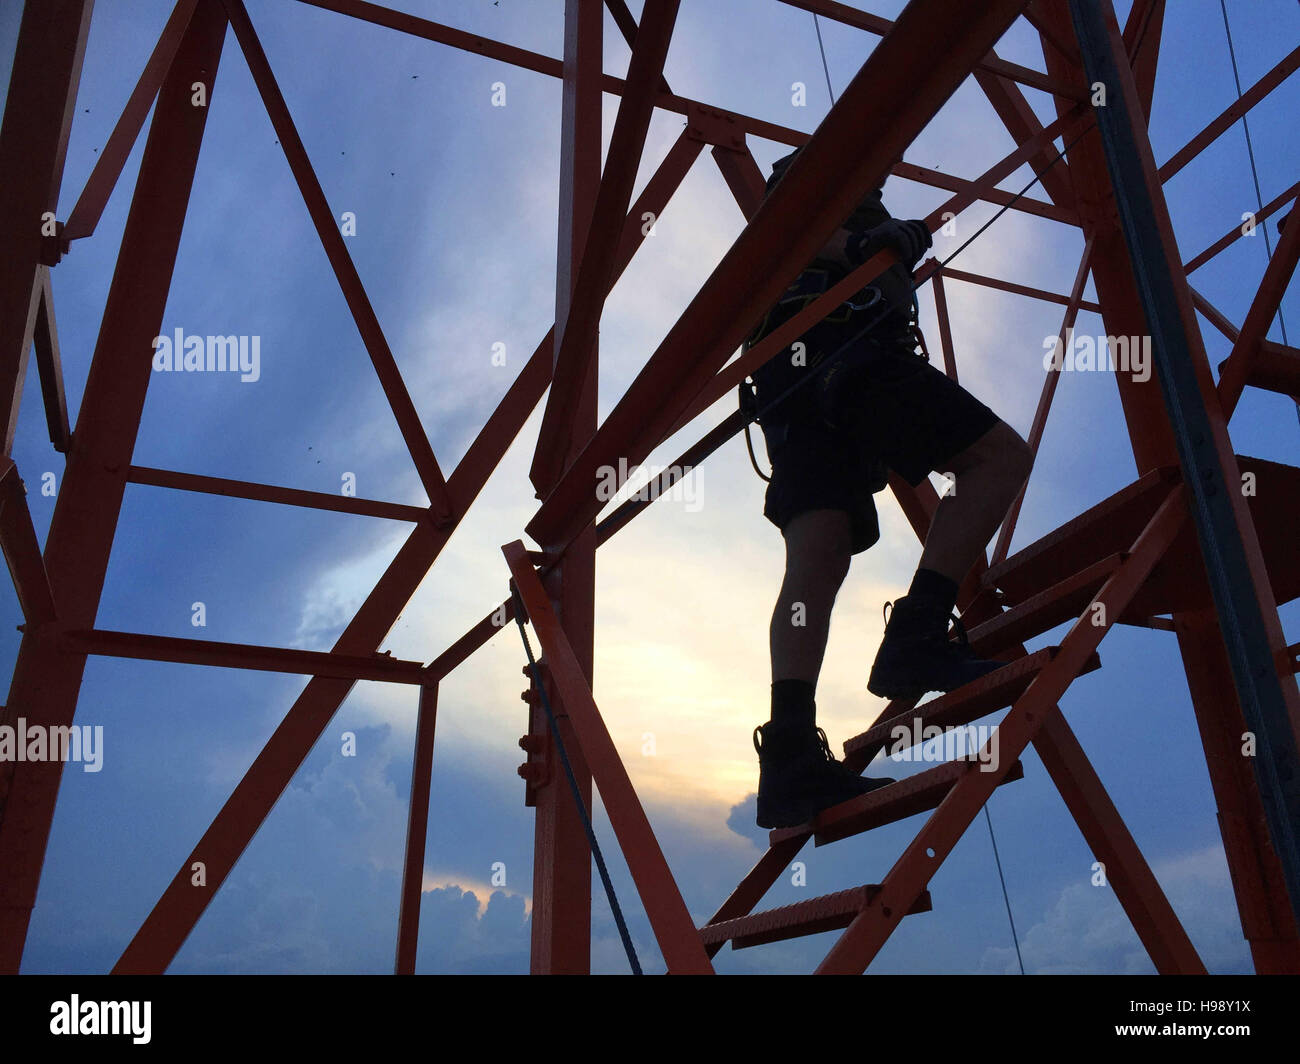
{"type": "Point", "coordinates": [1181, 540]}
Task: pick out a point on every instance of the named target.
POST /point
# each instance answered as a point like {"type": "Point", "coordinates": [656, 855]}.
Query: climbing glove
{"type": "Point", "coordinates": [908, 238]}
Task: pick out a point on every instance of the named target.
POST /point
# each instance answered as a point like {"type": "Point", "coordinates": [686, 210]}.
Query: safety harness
{"type": "Point", "coordinates": [868, 311]}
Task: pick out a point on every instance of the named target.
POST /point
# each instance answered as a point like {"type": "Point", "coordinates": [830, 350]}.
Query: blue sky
{"type": "Point", "coordinates": [455, 204]}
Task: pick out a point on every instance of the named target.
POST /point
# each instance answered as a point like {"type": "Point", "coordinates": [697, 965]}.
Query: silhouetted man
{"type": "Point", "coordinates": [835, 418]}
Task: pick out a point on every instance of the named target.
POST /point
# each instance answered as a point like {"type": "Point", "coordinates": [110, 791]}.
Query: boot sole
{"type": "Point", "coordinates": [893, 693]}
{"type": "Point", "coordinates": [810, 809]}
{"type": "Point", "coordinates": [791, 817]}
{"type": "Point", "coordinates": [883, 691]}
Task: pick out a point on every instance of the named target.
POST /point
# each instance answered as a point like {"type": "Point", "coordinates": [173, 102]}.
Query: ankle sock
{"type": "Point", "coordinates": [935, 587]}
{"type": "Point", "coordinates": [793, 704]}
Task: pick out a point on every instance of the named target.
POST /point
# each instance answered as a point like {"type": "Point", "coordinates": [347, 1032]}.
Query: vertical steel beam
{"type": "Point", "coordinates": [33, 142]}
{"type": "Point", "coordinates": [593, 260]}
{"type": "Point", "coordinates": [1142, 32]}
{"type": "Point", "coordinates": [1267, 921]}
{"type": "Point", "coordinates": [417, 827]}
{"type": "Point", "coordinates": [14, 371]}
{"type": "Point", "coordinates": [561, 920]}
{"type": "Point", "coordinates": [1233, 560]}
{"type": "Point", "coordinates": [945, 326]}
{"type": "Point", "coordinates": [1117, 292]}
{"type": "Point", "coordinates": [47, 676]}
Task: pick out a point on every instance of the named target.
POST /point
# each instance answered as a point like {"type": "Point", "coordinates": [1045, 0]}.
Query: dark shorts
{"type": "Point", "coordinates": [906, 415]}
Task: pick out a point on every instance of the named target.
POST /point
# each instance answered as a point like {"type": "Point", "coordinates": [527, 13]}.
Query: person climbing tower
{"type": "Point", "coordinates": [848, 402]}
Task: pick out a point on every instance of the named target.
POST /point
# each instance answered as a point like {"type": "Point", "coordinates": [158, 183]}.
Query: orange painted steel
{"type": "Point", "coordinates": [674, 930]}
{"type": "Point", "coordinates": [1130, 555]}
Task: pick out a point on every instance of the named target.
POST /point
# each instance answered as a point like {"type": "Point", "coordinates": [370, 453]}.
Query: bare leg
{"type": "Point", "coordinates": [817, 552]}
{"type": "Point", "coordinates": [916, 654]}
{"type": "Point", "coordinates": [988, 475]}
{"type": "Point", "coordinates": [797, 776]}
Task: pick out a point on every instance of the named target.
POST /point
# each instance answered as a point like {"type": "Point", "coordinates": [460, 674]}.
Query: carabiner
{"type": "Point", "coordinates": [876, 296]}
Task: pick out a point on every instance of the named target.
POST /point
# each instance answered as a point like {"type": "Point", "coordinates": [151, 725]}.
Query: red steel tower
{"type": "Point", "coordinates": [1180, 548]}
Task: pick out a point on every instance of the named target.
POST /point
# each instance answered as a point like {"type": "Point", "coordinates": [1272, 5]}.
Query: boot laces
{"type": "Point", "coordinates": [838, 767]}
{"type": "Point", "coordinates": [821, 738]}
{"type": "Point", "coordinates": [826, 745]}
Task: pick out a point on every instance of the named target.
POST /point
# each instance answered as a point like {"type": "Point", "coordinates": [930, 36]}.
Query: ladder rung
{"type": "Point", "coordinates": [1105, 529]}
{"type": "Point", "coordinates": [1034, 616]}
{"type": "Point", "coordinates": [826, 913]}
{"type": "Point", "coordinates": [885, 805]}
{"type": "Point", "coordinates": [986, 695]}
{"type": "Point", "coordinates": [1112, 525]}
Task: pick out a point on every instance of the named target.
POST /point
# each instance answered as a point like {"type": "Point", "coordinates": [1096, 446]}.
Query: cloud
{"type": "Point", "coordinates": [1085, 931]}
{"type": "Point", "coordinates": [460, 935]}
{"type": "Point", "coordinates": [743, 820]}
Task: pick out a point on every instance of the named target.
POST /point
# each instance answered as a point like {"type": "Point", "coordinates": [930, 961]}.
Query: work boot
{"type": "Point", "coordinates": [798, 776]}
{"type": "Point", "coordinates": [917, 655]}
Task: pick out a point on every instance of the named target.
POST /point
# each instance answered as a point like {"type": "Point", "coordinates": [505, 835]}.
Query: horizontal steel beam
{"type": "Point", "coordinates": [666, 100]}
{"type": "Point", "coordinates": [926, 175]}
{"type": "Point", "coordinates": [244, 656]}
{"type": "Point", "coordinates": [243, 489]}
{"type": "Point", "coordinates": [1017, 289]}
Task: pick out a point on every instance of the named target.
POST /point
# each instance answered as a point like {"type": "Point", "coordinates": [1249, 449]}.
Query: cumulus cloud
{"type": "Point", "coordinates": [1086, 931]}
